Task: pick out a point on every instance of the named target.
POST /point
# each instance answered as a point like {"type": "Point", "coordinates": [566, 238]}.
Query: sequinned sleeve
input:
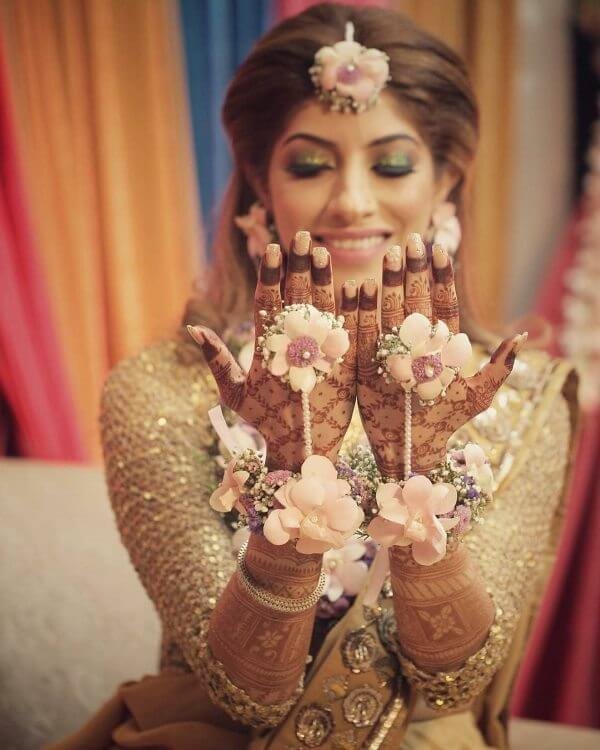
{"type": "Point", "coordinates": [156, 439]}
{"type": "Point", "coordinates": [513, 547]}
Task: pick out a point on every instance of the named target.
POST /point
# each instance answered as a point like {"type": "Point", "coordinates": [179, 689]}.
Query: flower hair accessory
{"type": "Point", "coordinates": [348, 76]}
{"type": "Point", "coordinates": [301, 348]}
{"type": "Point", "coordinates": [445, 229]}
{"type": "Point", "coordinates": [254, 226]}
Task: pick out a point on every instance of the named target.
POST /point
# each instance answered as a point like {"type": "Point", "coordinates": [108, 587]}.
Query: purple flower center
{"type": "Point", "coordinates": [303, 352]}
{"type": "Point", "coordinates": [348, 74]}
{"type": "Point", "coordinates": [427, 368]}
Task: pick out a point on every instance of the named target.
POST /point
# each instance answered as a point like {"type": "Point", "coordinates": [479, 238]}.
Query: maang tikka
{"type": "Point", "coordinates": [349, 77]}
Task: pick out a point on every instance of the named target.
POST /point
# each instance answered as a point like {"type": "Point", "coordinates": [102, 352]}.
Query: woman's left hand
{"type": "Point", "coordinates": [406, 289]}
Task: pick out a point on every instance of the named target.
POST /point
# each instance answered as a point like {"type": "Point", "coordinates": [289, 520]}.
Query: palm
{"type": "Point", "coordinates": [407, 289]}
{"type": "Point", "coordinates": [260, 397]}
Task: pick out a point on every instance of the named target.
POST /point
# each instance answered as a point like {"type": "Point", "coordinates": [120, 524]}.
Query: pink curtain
{"type": "Point", "coordinates": [36, 413]}
{"type": "Point", "coordinates": [560, 676]}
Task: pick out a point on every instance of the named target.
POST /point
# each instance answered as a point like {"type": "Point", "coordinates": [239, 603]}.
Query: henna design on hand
{"type": "Point", "coordinates": [417, 292]}
{"type": "Point", "coordinates": [261, 398]}
{"type": "Point", "coordinates": [382, 404]}
{"type": "Point", "coordinates": [445, 301]}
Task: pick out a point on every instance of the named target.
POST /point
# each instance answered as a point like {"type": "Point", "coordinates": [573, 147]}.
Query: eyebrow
{"type": "Point", "coordinates": [331, 144]}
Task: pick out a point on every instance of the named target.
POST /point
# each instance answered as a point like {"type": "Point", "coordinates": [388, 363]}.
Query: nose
{"type": "Point", "coordinates": [352, 198]}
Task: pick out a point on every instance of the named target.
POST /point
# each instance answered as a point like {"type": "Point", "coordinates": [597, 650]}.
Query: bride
{"type": "Point", "coordinates": [370, 583]}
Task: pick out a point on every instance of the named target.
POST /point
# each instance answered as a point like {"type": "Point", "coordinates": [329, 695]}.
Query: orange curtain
{"type": "Point", "coordinates": [100, 96]}
{"type": "Point", "coordinates": [483, 32]}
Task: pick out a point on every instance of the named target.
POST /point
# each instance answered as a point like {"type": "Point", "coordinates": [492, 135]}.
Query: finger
{"type": "Point", "coordinates": [392, 289]}
{"type": "Point", "coordinates": [368, 331]}
{"type": "Point", "coordinates": [267, 299]}
{"type": "Point", "coordinates": [227, 373]}
{"type": "Point", "coordinates": [297, 280]}
{"type": "Point", "coordinates": [323, 297]}
{"type": "Point", "coordinates": [349, 309]}
{"type": "Point", "coordinates": [417, 292]}
{"type": "Point", "coordinates": [483, 386]}
{"type": "Point", "coordinates": [445, 301]}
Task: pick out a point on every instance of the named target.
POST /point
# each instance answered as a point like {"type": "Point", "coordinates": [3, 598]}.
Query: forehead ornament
{"type": "Point", "coordinates": [349, 77]}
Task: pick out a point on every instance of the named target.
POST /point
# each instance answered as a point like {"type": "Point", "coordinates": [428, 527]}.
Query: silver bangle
{"type": "Point", "coordinates": [278, 603]}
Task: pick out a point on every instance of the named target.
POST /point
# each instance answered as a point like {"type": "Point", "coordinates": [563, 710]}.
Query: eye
{"type": "Point", "coordinates": [384, 171]}
{"type": "Point", "coordinates": [308, 169]}
{"type": "Point", "coordinates": [394, 165]}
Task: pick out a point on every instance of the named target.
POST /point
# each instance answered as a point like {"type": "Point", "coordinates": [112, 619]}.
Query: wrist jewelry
{"type": "Point", "coordinates": [278, 603]}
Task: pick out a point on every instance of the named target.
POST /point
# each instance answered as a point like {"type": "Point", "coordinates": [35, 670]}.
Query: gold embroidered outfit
{"type": "Point", "coordinates": [158, 445]}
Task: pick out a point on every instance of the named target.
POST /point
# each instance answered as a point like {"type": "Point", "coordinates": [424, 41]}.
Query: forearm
{"type": "Point", "coordinates": [263, 650]}
{"type": "Point", "coordinates": [443, 611]}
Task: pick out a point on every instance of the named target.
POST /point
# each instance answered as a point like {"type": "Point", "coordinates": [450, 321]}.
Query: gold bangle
{"type": "Point", "coordinates": [278, 603]}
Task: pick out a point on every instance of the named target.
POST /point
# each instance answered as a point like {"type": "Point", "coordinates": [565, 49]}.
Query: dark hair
{"type": "Point", "coordinates": [429, 80]}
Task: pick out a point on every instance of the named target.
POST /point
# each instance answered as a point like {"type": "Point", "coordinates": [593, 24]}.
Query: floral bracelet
{"type": "Point", "coordinates": [316, 507]}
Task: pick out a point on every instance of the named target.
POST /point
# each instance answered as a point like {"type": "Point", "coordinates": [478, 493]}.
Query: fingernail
{"type": "Point", "coordinates": [414, 246]}
{"type": "Point", "coordinates": [520, 342]}
{"type": "Point", "coordinates": [368, 295]}
{"type": "Point", "coordinates": [416, 259]}
{"type": "Point", "coordinates": [441, 265]}
{"type": "Point", "coordinates": [270, 268]}
{"type": "Point", "coordinates": [273, 255]}
{"type": "Point", "coordinates": [320, 257]}
{"type": "Point", "coordinates": [393, 258]}
{"type": "Point", "coordinates": [302, 242]}
{"type": "Point", "coordinates": [299, 258]}
{"type": "Point", "coordinates": [440, 256]}
{"type": "Point", "coordinates": [196, 333]}
{"type": "Point", "coordinates": [349, 292]}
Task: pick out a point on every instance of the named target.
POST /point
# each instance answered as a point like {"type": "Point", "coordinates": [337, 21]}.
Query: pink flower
{"type": "Point", "coordinates": [230, 490]}
{"type": "Point", "coordinates": [446, 227]}
{"type": "Point", "coordinates": [317, 509]}
{"type": "Point", "coordinates": [409, 516]}
{"type": "Point", "coordinates": [350, 71]}
{"type": "Point", "coordinates": [308, 344]}
{"type": "Point", "coordinates": [432, 360]}
{"type": "Point", "coordinates": [476, 465]}
{"type": "Point", "coordinates": [346, 572]}
{"type": "Point", "coordinates": [254, 226]}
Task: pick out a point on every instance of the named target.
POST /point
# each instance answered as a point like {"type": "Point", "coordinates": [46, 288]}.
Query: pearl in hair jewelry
{"type": "Point", "coordinates": [301, 347]}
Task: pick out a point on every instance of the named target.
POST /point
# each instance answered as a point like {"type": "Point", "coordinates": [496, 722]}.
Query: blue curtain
{"type": "Point", "coordinates": [217, 34]}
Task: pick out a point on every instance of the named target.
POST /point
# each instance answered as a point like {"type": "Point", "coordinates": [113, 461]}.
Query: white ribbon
{"type": "Point", "coordinates": [380, 567]}
{"type": "Point", "coordinates": [223, 430]}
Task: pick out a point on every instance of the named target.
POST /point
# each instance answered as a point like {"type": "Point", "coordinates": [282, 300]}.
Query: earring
{"type": "Point", "coordinates": [445, 228]}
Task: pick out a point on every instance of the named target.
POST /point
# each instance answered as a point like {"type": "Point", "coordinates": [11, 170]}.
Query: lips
{"type": "Point", "coordinates": [354, 246]}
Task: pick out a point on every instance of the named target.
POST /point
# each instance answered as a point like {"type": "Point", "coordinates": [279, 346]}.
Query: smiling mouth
{"type": "Point", "coordinates": [366, 242]}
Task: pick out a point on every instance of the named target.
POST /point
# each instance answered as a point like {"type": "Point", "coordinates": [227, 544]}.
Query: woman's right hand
{"type": "Point", "coordinates": [261, 398]}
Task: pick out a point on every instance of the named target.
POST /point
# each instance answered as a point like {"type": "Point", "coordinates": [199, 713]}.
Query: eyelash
{"type": "Point", "coordinates": [304, 171]}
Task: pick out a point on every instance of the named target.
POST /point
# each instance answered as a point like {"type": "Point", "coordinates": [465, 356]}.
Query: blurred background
{"type": "Point", "coordinates": [112, 164]}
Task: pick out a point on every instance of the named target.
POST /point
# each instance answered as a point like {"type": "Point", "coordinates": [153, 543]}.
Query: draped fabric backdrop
{"type": "Point", "coordinates": [100, 102]}
{"type": "Point", "coordinates": [37, 416]}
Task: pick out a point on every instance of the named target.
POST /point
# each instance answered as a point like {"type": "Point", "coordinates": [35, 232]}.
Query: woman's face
{"type": "Point", "coordinates": [358, 183]}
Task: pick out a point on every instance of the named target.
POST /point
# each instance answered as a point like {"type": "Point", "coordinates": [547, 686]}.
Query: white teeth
{"type": "Point", "coordinates": [357, 244]}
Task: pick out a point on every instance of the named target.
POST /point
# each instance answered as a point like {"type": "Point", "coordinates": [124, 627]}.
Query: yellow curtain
{"type": "Point", "coordinates": [100, 96]}
{"type": "Point", "coordinates": [483, 33]}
